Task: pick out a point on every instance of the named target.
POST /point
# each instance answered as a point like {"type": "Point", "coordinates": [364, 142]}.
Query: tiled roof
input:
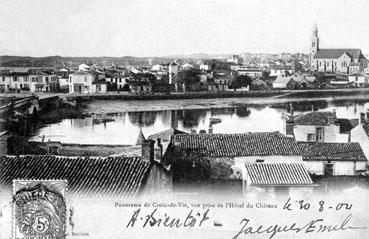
{"type": "Point", "coordinates": [278, 174]}
{"type": "Point", "coordinates": [321, 151]}
{"type": "Point", "coordinates": [236, 145]}
{"type": "Point", "coordinates": [86, 176]}
{"type": "Point", "coordinates": [315, 118]}
{"type": "Point", "coordinates": [336, 53]}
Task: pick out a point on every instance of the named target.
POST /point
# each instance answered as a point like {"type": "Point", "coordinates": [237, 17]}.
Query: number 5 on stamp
{"type": "Point", "coordinates": [39, 209]}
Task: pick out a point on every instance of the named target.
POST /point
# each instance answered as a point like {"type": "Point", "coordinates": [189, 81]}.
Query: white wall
{"type": "Point", "coordinates": [331, 133]}
{"type": "Point", "coordinates": [339, 168]}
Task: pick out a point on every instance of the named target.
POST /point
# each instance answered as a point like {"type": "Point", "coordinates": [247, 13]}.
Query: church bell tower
{"type": "Point", "coordinates": [314, 44]}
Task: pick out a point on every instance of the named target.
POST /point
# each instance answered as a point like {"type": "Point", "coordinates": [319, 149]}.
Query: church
{"type": "Point", "coordinates": [347, 61]}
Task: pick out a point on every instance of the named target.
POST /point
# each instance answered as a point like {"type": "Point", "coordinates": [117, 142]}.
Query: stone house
{"type": "Point", "coordinates": [80, 82]}
{"type": "Point", "coordinates": [322, 126]}
{"type": "Point", "coordinates": [333, 159]}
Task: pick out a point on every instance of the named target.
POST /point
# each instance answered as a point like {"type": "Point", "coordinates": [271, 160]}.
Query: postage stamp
{"type": "Point", "coordinates": [40, 209]}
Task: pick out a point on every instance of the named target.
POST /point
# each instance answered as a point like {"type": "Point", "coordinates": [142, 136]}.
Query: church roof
{"type": "Point", "coordinates": [336, 53]}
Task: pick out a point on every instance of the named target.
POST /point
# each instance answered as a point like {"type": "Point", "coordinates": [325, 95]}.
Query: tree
{"type": "Point", "coordinates": [241, 81]}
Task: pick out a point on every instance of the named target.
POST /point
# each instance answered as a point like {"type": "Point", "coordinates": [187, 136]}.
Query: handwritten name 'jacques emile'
{"type": "Point", "coordinates": [314, 226]}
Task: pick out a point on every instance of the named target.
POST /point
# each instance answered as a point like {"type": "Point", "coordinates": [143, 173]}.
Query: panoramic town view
{"type": "Point", "coordinates": [280, 116]}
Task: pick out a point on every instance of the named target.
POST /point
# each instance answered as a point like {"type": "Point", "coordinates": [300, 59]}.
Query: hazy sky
{"type": "Point", "coordinates": [155, 28]}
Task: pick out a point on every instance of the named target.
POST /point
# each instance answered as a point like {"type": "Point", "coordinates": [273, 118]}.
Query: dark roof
{"type": "Point", "coordinates": [346, 125]}
{"type": "Point", "coordinates": [336, 53]}
{"type": "Point", "coordinates": [315, 118]}
{"type": "Point", "coordinates": [86, 176]}
{"type": "Point", "coordinates": [236, 145]}
{"type": "Point", "coordinates": [277, 174]}
{"type": "Point", "coordinates": [321, 151]}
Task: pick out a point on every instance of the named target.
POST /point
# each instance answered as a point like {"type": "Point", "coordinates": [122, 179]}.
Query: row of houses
{"type": "Point", "coordinates": [323, 80]}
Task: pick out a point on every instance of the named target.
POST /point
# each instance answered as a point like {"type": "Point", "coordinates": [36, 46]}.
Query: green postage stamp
{"type": "Point", "coordinates": [39, 209]}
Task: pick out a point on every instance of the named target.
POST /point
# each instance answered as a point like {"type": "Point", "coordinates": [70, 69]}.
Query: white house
{"type": "Point", "coordinates": [333, 158]}
{"type": "Point", "coordinates": [80, 82]}
{"type": "Point", "coordinates": [322, 126]}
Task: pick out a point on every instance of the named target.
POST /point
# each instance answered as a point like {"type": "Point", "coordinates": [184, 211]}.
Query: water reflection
{"type": "Point", "coordinates": [123, 128]}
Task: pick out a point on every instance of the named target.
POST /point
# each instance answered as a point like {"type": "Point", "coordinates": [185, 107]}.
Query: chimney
{"type": "Point", "coordinates": [362, 118]}
{"type": "Point", "coordinates": [158, 150]}
{"type": "Point", "coordinates": [289, 126]}
{"type": "Point", "coordinates": [210, 128]}
{"type": "Point", "coordinates": [148, 150]}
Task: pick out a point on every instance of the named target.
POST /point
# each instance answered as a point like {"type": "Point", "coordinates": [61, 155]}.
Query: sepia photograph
{"type": "Point", "coordinates": [221, 119]}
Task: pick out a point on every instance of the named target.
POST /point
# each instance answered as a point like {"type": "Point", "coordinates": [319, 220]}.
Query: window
{"type": "Point", "coordinates": [319, 134]}
{"type": "Point", "coordinates": [25, 79]}
{"type": "Point", "coordinates": [34, 79]}
{"type": "Point", "coordinates": [260, 160]}
{"type": "Point", "coordinates": [3, 78]}
{"type": "Point", "coordinates": [85, 78]}
{"type": "Point", "coordinates": [310, 137]}
{"type": "Point", "coordinates": [15, 78]}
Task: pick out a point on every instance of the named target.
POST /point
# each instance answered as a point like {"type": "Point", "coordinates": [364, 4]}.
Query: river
{"type": "Point", "coordinates": [111, 124]}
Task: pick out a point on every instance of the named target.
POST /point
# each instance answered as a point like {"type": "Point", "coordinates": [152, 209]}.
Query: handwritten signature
{"type": "Point", "coordinates": [153, 219]}
{"type": "Point", "coordinates": [316, 226]}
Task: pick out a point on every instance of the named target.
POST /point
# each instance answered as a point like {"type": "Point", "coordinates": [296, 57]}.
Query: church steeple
{"type": "Point", "coordinates": [314, 43]}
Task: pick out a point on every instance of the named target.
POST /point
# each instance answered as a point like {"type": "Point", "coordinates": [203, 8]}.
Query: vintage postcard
{"type": "Point", "coordinates": [222, 119]}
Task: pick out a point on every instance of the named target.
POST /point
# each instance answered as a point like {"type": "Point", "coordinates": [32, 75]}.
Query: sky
{"type": "Point", "coordinates": [170, 27]}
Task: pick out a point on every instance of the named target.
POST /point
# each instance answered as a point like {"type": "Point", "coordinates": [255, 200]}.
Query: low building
{"type": "Point", "coordinates": [284, 82]}
{"type": "Point", "coordinates": [322, 126]}
{"type": "Point", "coordinates": [276, 178]}
{"type": "Point", "coordinates": [333, 159]}
{"type": "Point", "coordinates": [80, 82]}
{"type": "Point", "coordinates": [252, 73]}
{"type": "Point", "coordinates": [359, 80]}
{"type": "Point", "coordinates": [99, 87]}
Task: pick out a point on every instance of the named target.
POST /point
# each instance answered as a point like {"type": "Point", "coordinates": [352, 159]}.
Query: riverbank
{"type": "Point", "coordinates": [114, 106]}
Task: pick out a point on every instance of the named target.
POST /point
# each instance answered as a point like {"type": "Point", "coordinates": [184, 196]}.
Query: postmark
{"type": "Point", "coordinates": [39, 209]}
